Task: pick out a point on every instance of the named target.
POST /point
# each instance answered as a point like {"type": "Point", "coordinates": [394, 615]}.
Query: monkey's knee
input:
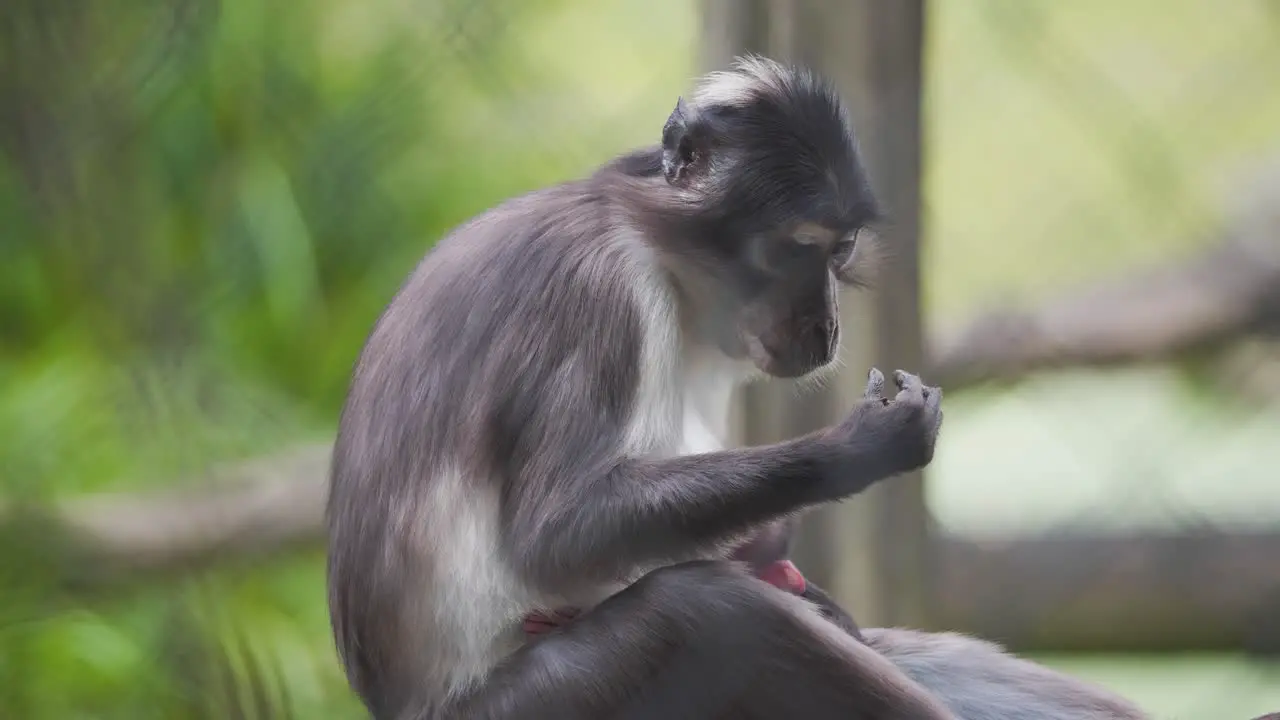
{"type": "Point", "coordinates": [710, 584]}
{"type": "Point", "coordinates": [688, 575]}
{"type": "Point", "coordinates": [724, 605]}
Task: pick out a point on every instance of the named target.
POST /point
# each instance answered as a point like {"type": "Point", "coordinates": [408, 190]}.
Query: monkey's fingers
{"type": "Point", "coordinates": [875, 385]}
{"type": "Point", "coordinates": [933, 403]}
{"type": "Point", "coordinates": [910, 386]}
{"type": "Point", "coordinates": [933, 400]}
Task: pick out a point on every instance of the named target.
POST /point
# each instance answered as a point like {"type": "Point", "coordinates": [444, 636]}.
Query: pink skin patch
{"type": "Point", "coordinates": [784, 576]}
{"type": "Point", "coordinates": [781, 574]}
{"type": "Point", "coordinates": [540, 622]}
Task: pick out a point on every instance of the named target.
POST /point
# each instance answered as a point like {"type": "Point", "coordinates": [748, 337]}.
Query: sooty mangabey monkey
{"type": "Point", "coordinates": [535, 423]}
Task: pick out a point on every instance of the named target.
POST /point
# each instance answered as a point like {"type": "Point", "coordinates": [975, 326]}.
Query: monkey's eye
{"type": "Point", "coordinates": [842, 250]}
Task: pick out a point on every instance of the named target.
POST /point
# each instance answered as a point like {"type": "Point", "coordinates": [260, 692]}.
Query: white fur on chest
{"type": "Point", "coordinates": [707, 385]}
{"type": "Point", "coordinates": [682, 402]}
{"type": "Point", "coordinates": [683, 405]}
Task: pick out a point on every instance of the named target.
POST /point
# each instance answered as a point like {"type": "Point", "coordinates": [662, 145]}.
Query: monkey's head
{"type": "Point", "coordinates": [772, 197]}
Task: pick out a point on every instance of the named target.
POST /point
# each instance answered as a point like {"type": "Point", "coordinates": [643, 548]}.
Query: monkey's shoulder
{"type": "Point", "coordinates": [567, 215]}
{"type": "Point", "coordinates": [529, 311]}
{"type": "Point", "coordinates": [559, 244]}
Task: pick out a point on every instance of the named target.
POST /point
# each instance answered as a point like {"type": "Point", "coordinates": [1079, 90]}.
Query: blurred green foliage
{"type": "Point", "coordinates": [1071, 140]}
{"type": "Point", "coordinates": [205, 204]}
{"type": "Point", "coordinates": [221, 186]}
{"type": "Point", "coordinates": [203, 207]}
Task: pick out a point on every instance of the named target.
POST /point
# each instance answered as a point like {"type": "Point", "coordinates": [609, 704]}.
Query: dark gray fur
{"type": "Point", "coordinates": [977, 680]}
{"type": "Point", "coordinates": [773, 543]}
{"type": "Point", "coordinates": [524, 429]}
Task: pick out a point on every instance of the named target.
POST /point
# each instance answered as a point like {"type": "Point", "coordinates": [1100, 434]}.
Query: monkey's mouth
{"type": "Point", "coordinates": [793, 362]}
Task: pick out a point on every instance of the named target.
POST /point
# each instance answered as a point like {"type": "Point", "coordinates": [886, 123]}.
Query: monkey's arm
{"type": "Point", "coordinates": [601, 522]}
{"type": "Point", "coordinates": [638, 512]}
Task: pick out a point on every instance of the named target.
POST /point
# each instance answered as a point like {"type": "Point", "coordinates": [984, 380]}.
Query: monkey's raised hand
{"type": "Point", "coordinates": [883, 437]}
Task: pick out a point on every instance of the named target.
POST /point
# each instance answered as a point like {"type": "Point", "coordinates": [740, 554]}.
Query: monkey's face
{"type": "Point", "coordinates": [783, 229]}
{"type": "Point", "coordinates": [787, 315]}
{"type": "Point", "coordinates": [771, 186]}
{"type": "Point", "coordinates": [789, 233]}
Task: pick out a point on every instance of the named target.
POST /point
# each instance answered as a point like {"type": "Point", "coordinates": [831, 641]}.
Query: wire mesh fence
{"type": "Point", "coordinates": [204, 205]}
{"type": "Point", "coordinates": [1106, 163]}
{"type": "Point", "coordinates": [1093, 194]}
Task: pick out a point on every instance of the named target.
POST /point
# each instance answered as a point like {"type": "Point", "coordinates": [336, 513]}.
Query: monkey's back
{"type": "Point", "coordinates": [452, 408]}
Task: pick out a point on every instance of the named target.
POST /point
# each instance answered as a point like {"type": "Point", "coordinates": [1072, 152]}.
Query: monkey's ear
{"type": "Point", "coordinates": [683, 150]}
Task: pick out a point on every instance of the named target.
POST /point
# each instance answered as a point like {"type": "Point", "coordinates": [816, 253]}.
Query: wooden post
{"type": "Point", "coordinates": [731, 28]}
{"type": "Point", "coordinates": [872, 552]}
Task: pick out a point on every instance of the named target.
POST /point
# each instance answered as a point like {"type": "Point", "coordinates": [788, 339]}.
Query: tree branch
{"type": "Point", "coordinates": [1198, 589]}
{"type": "Point", "coordinates": [1225, 292]}
{"type": "Point", "coordinates": [246, 509]}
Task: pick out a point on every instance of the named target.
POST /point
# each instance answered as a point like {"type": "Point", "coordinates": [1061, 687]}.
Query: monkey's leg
{"type": "Point", "coordinates": [978, 680]}
{"type": "Point", "coordinates": [698, 640]}
{"type": "Point", "coordinates": [781, 574]}
{"type": "Point", "coordinates": [828, 608]}
{"type": "Point", "coordinates": [768, 554]}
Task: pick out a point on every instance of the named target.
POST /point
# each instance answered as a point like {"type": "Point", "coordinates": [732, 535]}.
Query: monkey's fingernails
{"type": "Point", "coordinates": [907, 381]}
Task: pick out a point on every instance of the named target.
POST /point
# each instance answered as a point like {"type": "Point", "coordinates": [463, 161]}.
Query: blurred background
{"type": "Point", "coordinates": [205, 204]}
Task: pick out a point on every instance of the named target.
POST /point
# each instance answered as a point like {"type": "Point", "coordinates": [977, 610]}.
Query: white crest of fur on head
{"type": "Point", "coordinates": [744, 81]}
